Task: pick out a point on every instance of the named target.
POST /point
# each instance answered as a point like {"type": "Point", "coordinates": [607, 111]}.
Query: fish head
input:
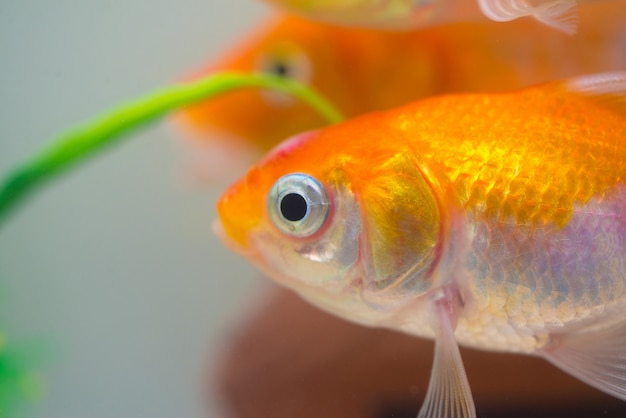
{"type": "Point", "coordinates": [355, 229]}
{"type": "Point", "coordinates": [287, 47]}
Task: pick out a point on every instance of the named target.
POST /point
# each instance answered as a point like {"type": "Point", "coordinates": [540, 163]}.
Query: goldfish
{"type": "Point", "coordinates": [361, 70]}
{"type": "Point", "coordinates": [407, 14]}
{"type": "Point", "coordinates": [491, 220]}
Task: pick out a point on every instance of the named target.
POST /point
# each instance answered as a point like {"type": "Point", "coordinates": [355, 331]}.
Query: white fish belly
{"type": "Point", "coordinates": [525, 282]}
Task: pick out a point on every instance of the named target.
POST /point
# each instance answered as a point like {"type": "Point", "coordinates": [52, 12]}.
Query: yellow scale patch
{"type": "Point", "coordinates": [544, 153]}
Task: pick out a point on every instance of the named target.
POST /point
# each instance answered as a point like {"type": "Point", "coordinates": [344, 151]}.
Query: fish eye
{"type": "Point", "coordinates": [280, 69]}
{"type": "Point", "coordinates": [298, 205]}
{"type": "Point", "coordinates": [292, 64]}
{"type": "Point", "coordinates": [286, 62]}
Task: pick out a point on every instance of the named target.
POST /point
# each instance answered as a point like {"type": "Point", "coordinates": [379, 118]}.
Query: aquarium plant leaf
{"type": "Point", "coordinates": [19, 381]}
{"type": "Point", "coordinates": [87, 139]}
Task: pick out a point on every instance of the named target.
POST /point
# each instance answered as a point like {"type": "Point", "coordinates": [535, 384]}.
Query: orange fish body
{"type": "Point", "coordinates": [493, 220]}
{"type": "Point", "coordinates": [362, 70]}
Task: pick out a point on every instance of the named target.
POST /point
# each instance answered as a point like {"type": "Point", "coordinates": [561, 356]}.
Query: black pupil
{"type": "Point", "coordinates": [280, 69]}
{"type": "Point", "coordinates": [293, 207]}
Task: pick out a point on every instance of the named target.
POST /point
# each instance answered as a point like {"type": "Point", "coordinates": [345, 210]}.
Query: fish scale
{"type": "Point", "coordinates": [558, 284]}
{"type": "Point", "coordinates": [489, 179]}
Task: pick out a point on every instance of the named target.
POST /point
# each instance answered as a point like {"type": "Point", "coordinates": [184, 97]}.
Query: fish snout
{"type": "Point", "coordinates": [239, 211]}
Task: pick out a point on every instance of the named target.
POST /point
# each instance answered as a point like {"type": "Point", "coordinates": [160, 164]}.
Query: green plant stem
{"type": "Point", "coordinates": [85, 140]}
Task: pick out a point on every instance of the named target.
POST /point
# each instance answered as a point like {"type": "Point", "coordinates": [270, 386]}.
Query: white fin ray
{"type": "Point", "coordinates": [449, 394]}
{"type": "Point", "coordinates": [596, 357]}
{"type": "Point", "coordinates": [559, 14]}
{"type": "Point", "coordinates": [606, 88]}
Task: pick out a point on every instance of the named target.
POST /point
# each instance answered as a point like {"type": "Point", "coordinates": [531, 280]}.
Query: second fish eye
{"type": "Point", "coordinates": [293, 64]}
{"type": "Point", "coordinates": [279, 68]}
{"type": "Point", "coordinates": [288, 62]}
{"type": "Point", "coordinates": [298, 205]}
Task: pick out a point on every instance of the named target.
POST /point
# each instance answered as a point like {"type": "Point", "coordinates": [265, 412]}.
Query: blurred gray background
{"type": "Point", "coordinates": [115, 264]}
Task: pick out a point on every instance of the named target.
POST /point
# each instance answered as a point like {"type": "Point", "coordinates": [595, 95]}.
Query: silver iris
{"type": "Point", "coordinates": [298, 204]}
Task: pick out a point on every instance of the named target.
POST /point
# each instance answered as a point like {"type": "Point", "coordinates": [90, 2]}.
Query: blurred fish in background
{"type": "Point", "coordinates": [414, 14]}
{"type": "Point", "coordinates": [362, 70]}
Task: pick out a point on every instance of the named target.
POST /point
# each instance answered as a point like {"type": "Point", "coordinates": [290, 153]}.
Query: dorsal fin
{"type": "Point", "coordinates": [608, 89]}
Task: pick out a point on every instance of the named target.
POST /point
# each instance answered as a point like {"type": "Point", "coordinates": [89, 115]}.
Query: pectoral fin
{"type": "Point", "coordinates": [559, 14]}
{"type": "Point", "coordinates": [596, 357]}
{"type": "Point", "coordinates": [449, 394]}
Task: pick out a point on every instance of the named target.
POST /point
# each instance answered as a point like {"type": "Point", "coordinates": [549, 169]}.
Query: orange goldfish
{"type": "Point", "coordinates": [406, 14]}
{"type": "Point", "coordinates": [496, 221]}
{"type": "Point", "coordinates": [362, 70]}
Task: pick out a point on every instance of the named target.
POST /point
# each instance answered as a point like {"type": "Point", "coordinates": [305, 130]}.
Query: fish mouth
{"type": "Point", "coordinates": [247, 251]}
{"type": "Point", "coordinates": [231, 244]}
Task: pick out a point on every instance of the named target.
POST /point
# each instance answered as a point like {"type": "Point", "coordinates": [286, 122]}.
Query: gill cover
{"type": "Point", "coordinates": [402, 225]}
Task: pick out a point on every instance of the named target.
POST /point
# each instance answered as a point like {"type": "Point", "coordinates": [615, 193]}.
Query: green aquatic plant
{"type": "Point", "coordinates": [18, 380]}
{"type": "Point", "coordinates": [106, 129]}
